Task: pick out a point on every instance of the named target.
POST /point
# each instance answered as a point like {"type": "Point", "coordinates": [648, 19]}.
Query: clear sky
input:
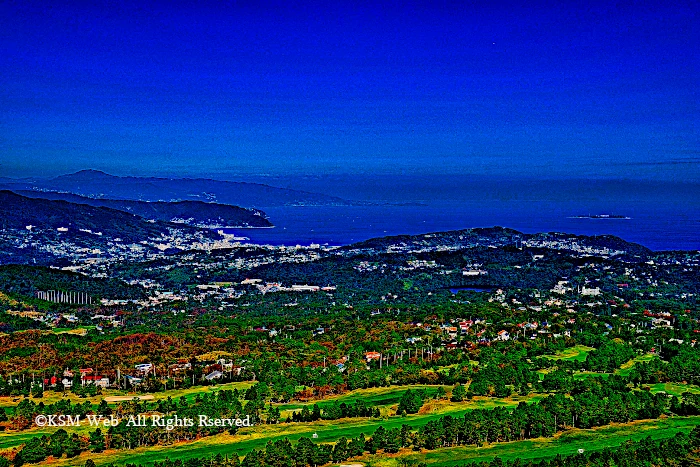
{"type": "Point", "coordinates": [433, 87]}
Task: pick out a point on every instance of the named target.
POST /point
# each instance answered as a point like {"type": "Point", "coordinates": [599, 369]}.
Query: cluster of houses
{"type": "Point", "coordinates": [468, 333]}
{"type": "Point", "coordinates": [220, 367]}
{"type": "Point", "coordinates": [661, 319]}
{"type": "Point", "coordinates": [270, 287]}
{"type": "Point", "coordinates": [88, 376]}
{"type": "Point", "coordinates": [52, 319]}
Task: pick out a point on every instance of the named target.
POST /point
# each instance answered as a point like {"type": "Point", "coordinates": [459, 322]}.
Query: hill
{"type": "Point", "coordinates": [41, 231]}
{"type": "Point", "coordinates": [500, 237]}
{"type": "Point", "coordinates": [26, 280]}
{"type": "Point", "coordinates": [20, 211]}
{"type": "Point", "coordinates": [96, 184]}
{"type": "Point", "coordinates": [189, 212]}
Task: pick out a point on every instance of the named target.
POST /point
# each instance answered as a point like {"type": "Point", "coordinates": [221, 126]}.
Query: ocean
{"type": "Point", "coordinates": [663, 215]}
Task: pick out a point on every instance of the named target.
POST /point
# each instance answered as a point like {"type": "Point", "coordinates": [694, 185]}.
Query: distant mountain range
{"type": "Point", "coordinates": [96, 184]}
{"type": "Point", "coordinates": [196, 213]}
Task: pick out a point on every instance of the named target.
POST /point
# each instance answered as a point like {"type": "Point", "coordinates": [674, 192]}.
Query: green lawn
{"type": "Point", "coordinates": [192, 392]}
{"type": "Point", "coordinates": [11, 440]}
{"type": "Point", "coordinates": [578, 352]}
{"type": "Point", "coordinates": [15, 439]}
{"type": "Point", "coordinates": [329, 431]}
{"type": "Point", "coordinates": [351, 427]}
{"type": "Point", "coordinates": [626, 368]}
{"type": "Point", "coordinates": [384, 398]}
{"type": "Point", "coordinates": [257, 437]}
{"type": "Point", "coordinates": [253, 438]}
{"type": "Point", "coordinates": [51, 397]}
{"type": "Point", "coordinates": [372, 397]}
{"type": "Point", "coordinates": [675, 389]}
{"type": "Point", "coordinates": [590, 374]}
{"type": "Point", "coordinates": [567, 443]}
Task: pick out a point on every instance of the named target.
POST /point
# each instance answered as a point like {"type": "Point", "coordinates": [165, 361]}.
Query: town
{"type": "Point", "coordinates": [401, 329]}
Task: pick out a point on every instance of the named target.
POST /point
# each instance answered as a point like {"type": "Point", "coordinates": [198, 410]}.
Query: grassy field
{"type": "Point", "coordinates": [15, 439]}
{"type": "Point", "coordinates": [567, 443]}
{"type": "Point", "coordinates": [431, 410]}
{"type": "Point", "coordinates": [390, 396]}
{"type": "Point", "coordinates": [80, 330]}
{"type": "Point", "coordinates": [51, 397]}
{"type": "Point", "coordinates": [379, 397]}
{"type": "Point", "coordinates": [387, 400]}
{"type": "Point", "coordinates": [675, 389]}
{"type": "Point", "coordinates": [326, 431]}
{"type": "Point", "coordinates": [626, 368]}
{"type": "Point", "coordinates": [255, 438]}
{"type": "Point", "coordinates": [578, 353]}
{"type": "Point", "coordinates": [590, 374]}
{"type": "Point", "coordinates": [191, 393]}
{"type": "Point", "coordinates": [9, 439]}
{"type": "Point", "coordinates": [329, 431]}
{"type": "Point", "coordinates": [252, 438]}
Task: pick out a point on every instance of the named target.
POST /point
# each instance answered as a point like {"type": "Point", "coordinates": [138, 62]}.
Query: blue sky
{"type": "Point", "coordinates": [248, 88]}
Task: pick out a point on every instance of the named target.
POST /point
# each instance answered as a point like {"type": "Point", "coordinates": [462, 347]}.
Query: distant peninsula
{"type": "Point", "coordinates": [195, 213]}
{"type": "Point", "coordinates": [600, 216]}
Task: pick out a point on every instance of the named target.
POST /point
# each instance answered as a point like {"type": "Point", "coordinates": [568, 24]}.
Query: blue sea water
{"type": "Point", "coordinates": [662, 216]}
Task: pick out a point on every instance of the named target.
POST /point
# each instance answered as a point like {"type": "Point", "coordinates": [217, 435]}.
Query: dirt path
{"type": "Point", "coordinates": [146, 397]}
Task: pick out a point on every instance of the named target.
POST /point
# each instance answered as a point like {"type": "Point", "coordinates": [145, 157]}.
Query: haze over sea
{"type": "Point", "coordinates": [664, 215]}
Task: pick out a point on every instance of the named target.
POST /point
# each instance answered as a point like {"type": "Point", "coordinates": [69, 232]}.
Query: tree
{"type": "Point", "coordinates": [37, 391]}
{"type": "Point", "coordinates": [97, 441]}
{"type": "Point", "coordinates": [411, 402]}
{"type": "Point", "coordinates": [440, 393]}
{"type": "Point", "coordinates": [392, 443]}
{"type": "Point", "coordinates": [33, 452]}
{"type": "Point", "coordinates": [76, 386]}
{"type": "Point", "coordinates": [273, 414]}
{"type": "Point", "coordinates": [458, 393]}
{"type": "Point", "coordinates": [316, 413]}
{"type": "Point", "coordinates": [103, 408]}
{"type": "Point", "coordinates": [501, 390]}
{"type": "Point", "coordinates": [371, 445]}
{"type": "Point", "coordinates": [304, 452]}
{"type": "Point", "coordinates": [73, 446]}
{"type": "Point", "coordinates": [305, 414]}
{"type": "Point", "coordinates": [57, 442]}
{"type": "Point", "coordinates": [340, 450]}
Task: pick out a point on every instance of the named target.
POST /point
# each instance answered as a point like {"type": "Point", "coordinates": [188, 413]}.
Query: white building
{"type": "Point", "coordinates": [590, 291]}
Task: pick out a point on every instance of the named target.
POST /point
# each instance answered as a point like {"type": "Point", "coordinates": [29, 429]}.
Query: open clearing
{"type": "Point", "coordinates": [329, 431]}
{"type": "Point", "coordinates": [114, 396]}
{"type": "Point", "coordinates": [146, 397]}
{"type": "Point", "coordinates": [566, 443]}
{"type": "Point", "coordinates": [578, 352]}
